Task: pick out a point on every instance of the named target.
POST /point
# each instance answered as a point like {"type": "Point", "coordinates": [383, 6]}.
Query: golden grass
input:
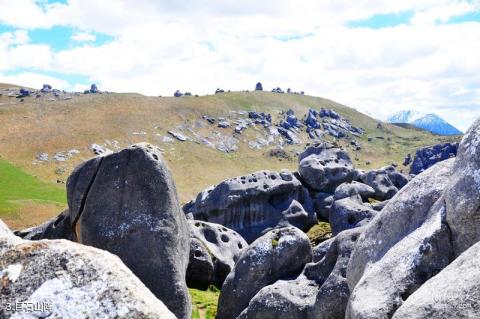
{"type": "Point", "coordinates": [39, 125]}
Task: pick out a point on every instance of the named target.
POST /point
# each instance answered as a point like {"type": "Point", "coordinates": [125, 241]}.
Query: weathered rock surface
{"type": "Point", "coordinates": [200, 271]}
{"type": "Point", "coordinates": [428, 156]}
{"type": "Point", "coordinates": [380, 181]}
{"type": "Point", "coordinates": [126, 203]}
{"type": "Point", "coordinates": [323, 167]}
{"type": "Point", "coordinates": [280, 253]}
{"type": "Point", "coordinates": [398, 179]}
{"type": "Point", "coordinates": [320, 291]}
{"type": "Point", "coordinates": [322, 202]}
{"type": "Point", "coordinates": [349, 213]}
{"type": "Point", "coordinates": [71, 280]}
{"type": "Point", "coordinates": [224, 246]}
{"type": "Point", "coordinates": [462, 195]}
{"type": "Point", "coordinates": [252, 203]}
{"type": "Point", "coordinates": [453, 293]}
{"type": "Point", "coordinates": [406, 244]}
{"type": "Point", "coordinates": [345, 190]}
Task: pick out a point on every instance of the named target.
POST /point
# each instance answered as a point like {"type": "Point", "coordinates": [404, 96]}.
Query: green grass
{"type": "Point", "coordinates": [204, 303]}
{"type": "Point", "coordinates": [18, 187]}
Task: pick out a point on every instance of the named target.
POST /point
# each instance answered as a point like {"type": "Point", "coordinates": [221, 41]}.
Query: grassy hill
{"type": "Point", "coordinates": [46, 125]}
{"type": "Point", "coordinates": [24, 199]}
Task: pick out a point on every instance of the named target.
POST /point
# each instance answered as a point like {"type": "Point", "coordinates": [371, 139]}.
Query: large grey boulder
{"type": "Point", "coordinates": [126, 203]}
{"type": "Point", "coordinates": [402, 247]}
{"type": "Point", "coordinates": [462, 195]}
{"type": "Point", "coordinates": [331, 275]}
{"type": "Point", "coordinates": [253, 203]}
{"type": "Point", "coordinates": [354, 188]}
{"type": "Point", "coordinates": [323, 167]}
{"type": "Point", "coordinates": [349, 213]}
{"type": "Point", "coordinates": [70, 281]}
{"type": "Point", "coordinates": [453, 293]}
{"type": "Point", "coordinates": [320, 291]}
{"type": "Point", "coordinates": [224, 246]}
{"type": "Point", "coordinates": [280, 253]}
{"type": "Point", "coordinates": [380, 181]}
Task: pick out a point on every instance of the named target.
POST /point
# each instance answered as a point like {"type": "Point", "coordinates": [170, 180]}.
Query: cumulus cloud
{"type": "Point", "coordinates": [161, 46]}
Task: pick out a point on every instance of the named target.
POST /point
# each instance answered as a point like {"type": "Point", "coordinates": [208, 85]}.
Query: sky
{"type": "Point", "coordinates": [376, 56]}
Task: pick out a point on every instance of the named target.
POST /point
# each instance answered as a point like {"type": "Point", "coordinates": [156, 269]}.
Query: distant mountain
{"type": "Point", "coordinates": [405, 116]}
{"type": "Point", "coordinates": [437, 125]}
{"type": "Point", "coordinates": [429, 122]}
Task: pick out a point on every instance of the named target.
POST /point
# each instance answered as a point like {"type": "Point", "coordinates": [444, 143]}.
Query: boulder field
{"type": "Point", "coordinates": [403, 246]}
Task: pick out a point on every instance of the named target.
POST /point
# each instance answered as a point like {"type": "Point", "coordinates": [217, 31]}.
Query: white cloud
{"type": "Point", "coordinates": [161, 46]}
{"type": "Point", "coordinates": [83, 37]}
{"type": "Point", "coordinates": [34, 80]}
{"type": "Point", "coordinates": [14, 38]}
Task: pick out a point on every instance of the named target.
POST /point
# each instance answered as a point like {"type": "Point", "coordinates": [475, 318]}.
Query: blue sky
{"type": "Point", "coordinates": [382, 20]}
{"type": "Point", "coordinates": [376, 56]}
{"type": "Point", "coordinates": [60, 37]}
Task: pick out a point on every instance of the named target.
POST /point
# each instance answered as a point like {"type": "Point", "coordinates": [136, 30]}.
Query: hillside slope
{"type": "Point", "coordinates": [67, 126]}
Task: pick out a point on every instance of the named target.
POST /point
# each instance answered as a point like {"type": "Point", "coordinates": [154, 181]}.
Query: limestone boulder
{"type": "Point", "coordinates": [324, 167]}
{"type": "Point", "coordinates": [223, 247]}
{"type": "Point", "coordinates": [253, 203]}
{"type": "Point", "coordinates": [280, 253]}
{"type": "Point", "coordinates": [402, 247]}
{"type": "Point", "coordinates": [453, 293]}
{"type": "Point", "coordinates": [349, 213]}
{"type": "Point", "coordinates": [126, 203]}
{"type": "Point", "coordinates": [68, 280]}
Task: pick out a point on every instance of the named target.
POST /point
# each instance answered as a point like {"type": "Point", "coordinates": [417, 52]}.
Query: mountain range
{"type": "Point", "coordinates": [430, 122]}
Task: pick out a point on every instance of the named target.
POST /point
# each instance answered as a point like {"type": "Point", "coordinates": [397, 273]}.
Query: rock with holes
{"type": "Point", "coordinates": [201, 270]}
{"type": "Point", "coordinates": [453, 293]}
{"type": "Point", "coordinates": [252, 203]}
{"type": "Point", "coordinates": [59, 227]}
{"type": "Point", "coordinates": [320, 291]}
{"type": "Point", "coordinates": [380, 181]}
{"type": "Point", "coordinates": [295, 215]}
{"type": "Point", "coordinates": [70, 281]}
{"type": "Point", "coordinates": [280, 253]}
{"type": "Point", "coordinates": [347, 213]}
{"type": "Point", "coordinates": [354, 188]}
{"type": "Point", "coordinates": [126, 203]}
{"type": "Point", "coordinates": [324, 167]}
{"type": "Point", "coordinates": [224, 246]}
{"type": "Point", "coordinates": [400, 249]}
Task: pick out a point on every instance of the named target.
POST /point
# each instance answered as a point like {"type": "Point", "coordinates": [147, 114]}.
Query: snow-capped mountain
{"type": "Point", "coordinates": [405, 116]}
{"type": "Point", "coordinates": [429, 122]}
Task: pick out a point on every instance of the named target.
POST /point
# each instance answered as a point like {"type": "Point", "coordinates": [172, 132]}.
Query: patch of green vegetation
{"type": "Point", "coordinates": [18, 187]}
{"type": "Point", "coordinates": [319, 232]}
{"type": "Point", "coordinates": [274, 242]}
{"type": "Point", "coordinates": [373, 200]}
{"type": "Point", "coordinates": [204, 302]}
